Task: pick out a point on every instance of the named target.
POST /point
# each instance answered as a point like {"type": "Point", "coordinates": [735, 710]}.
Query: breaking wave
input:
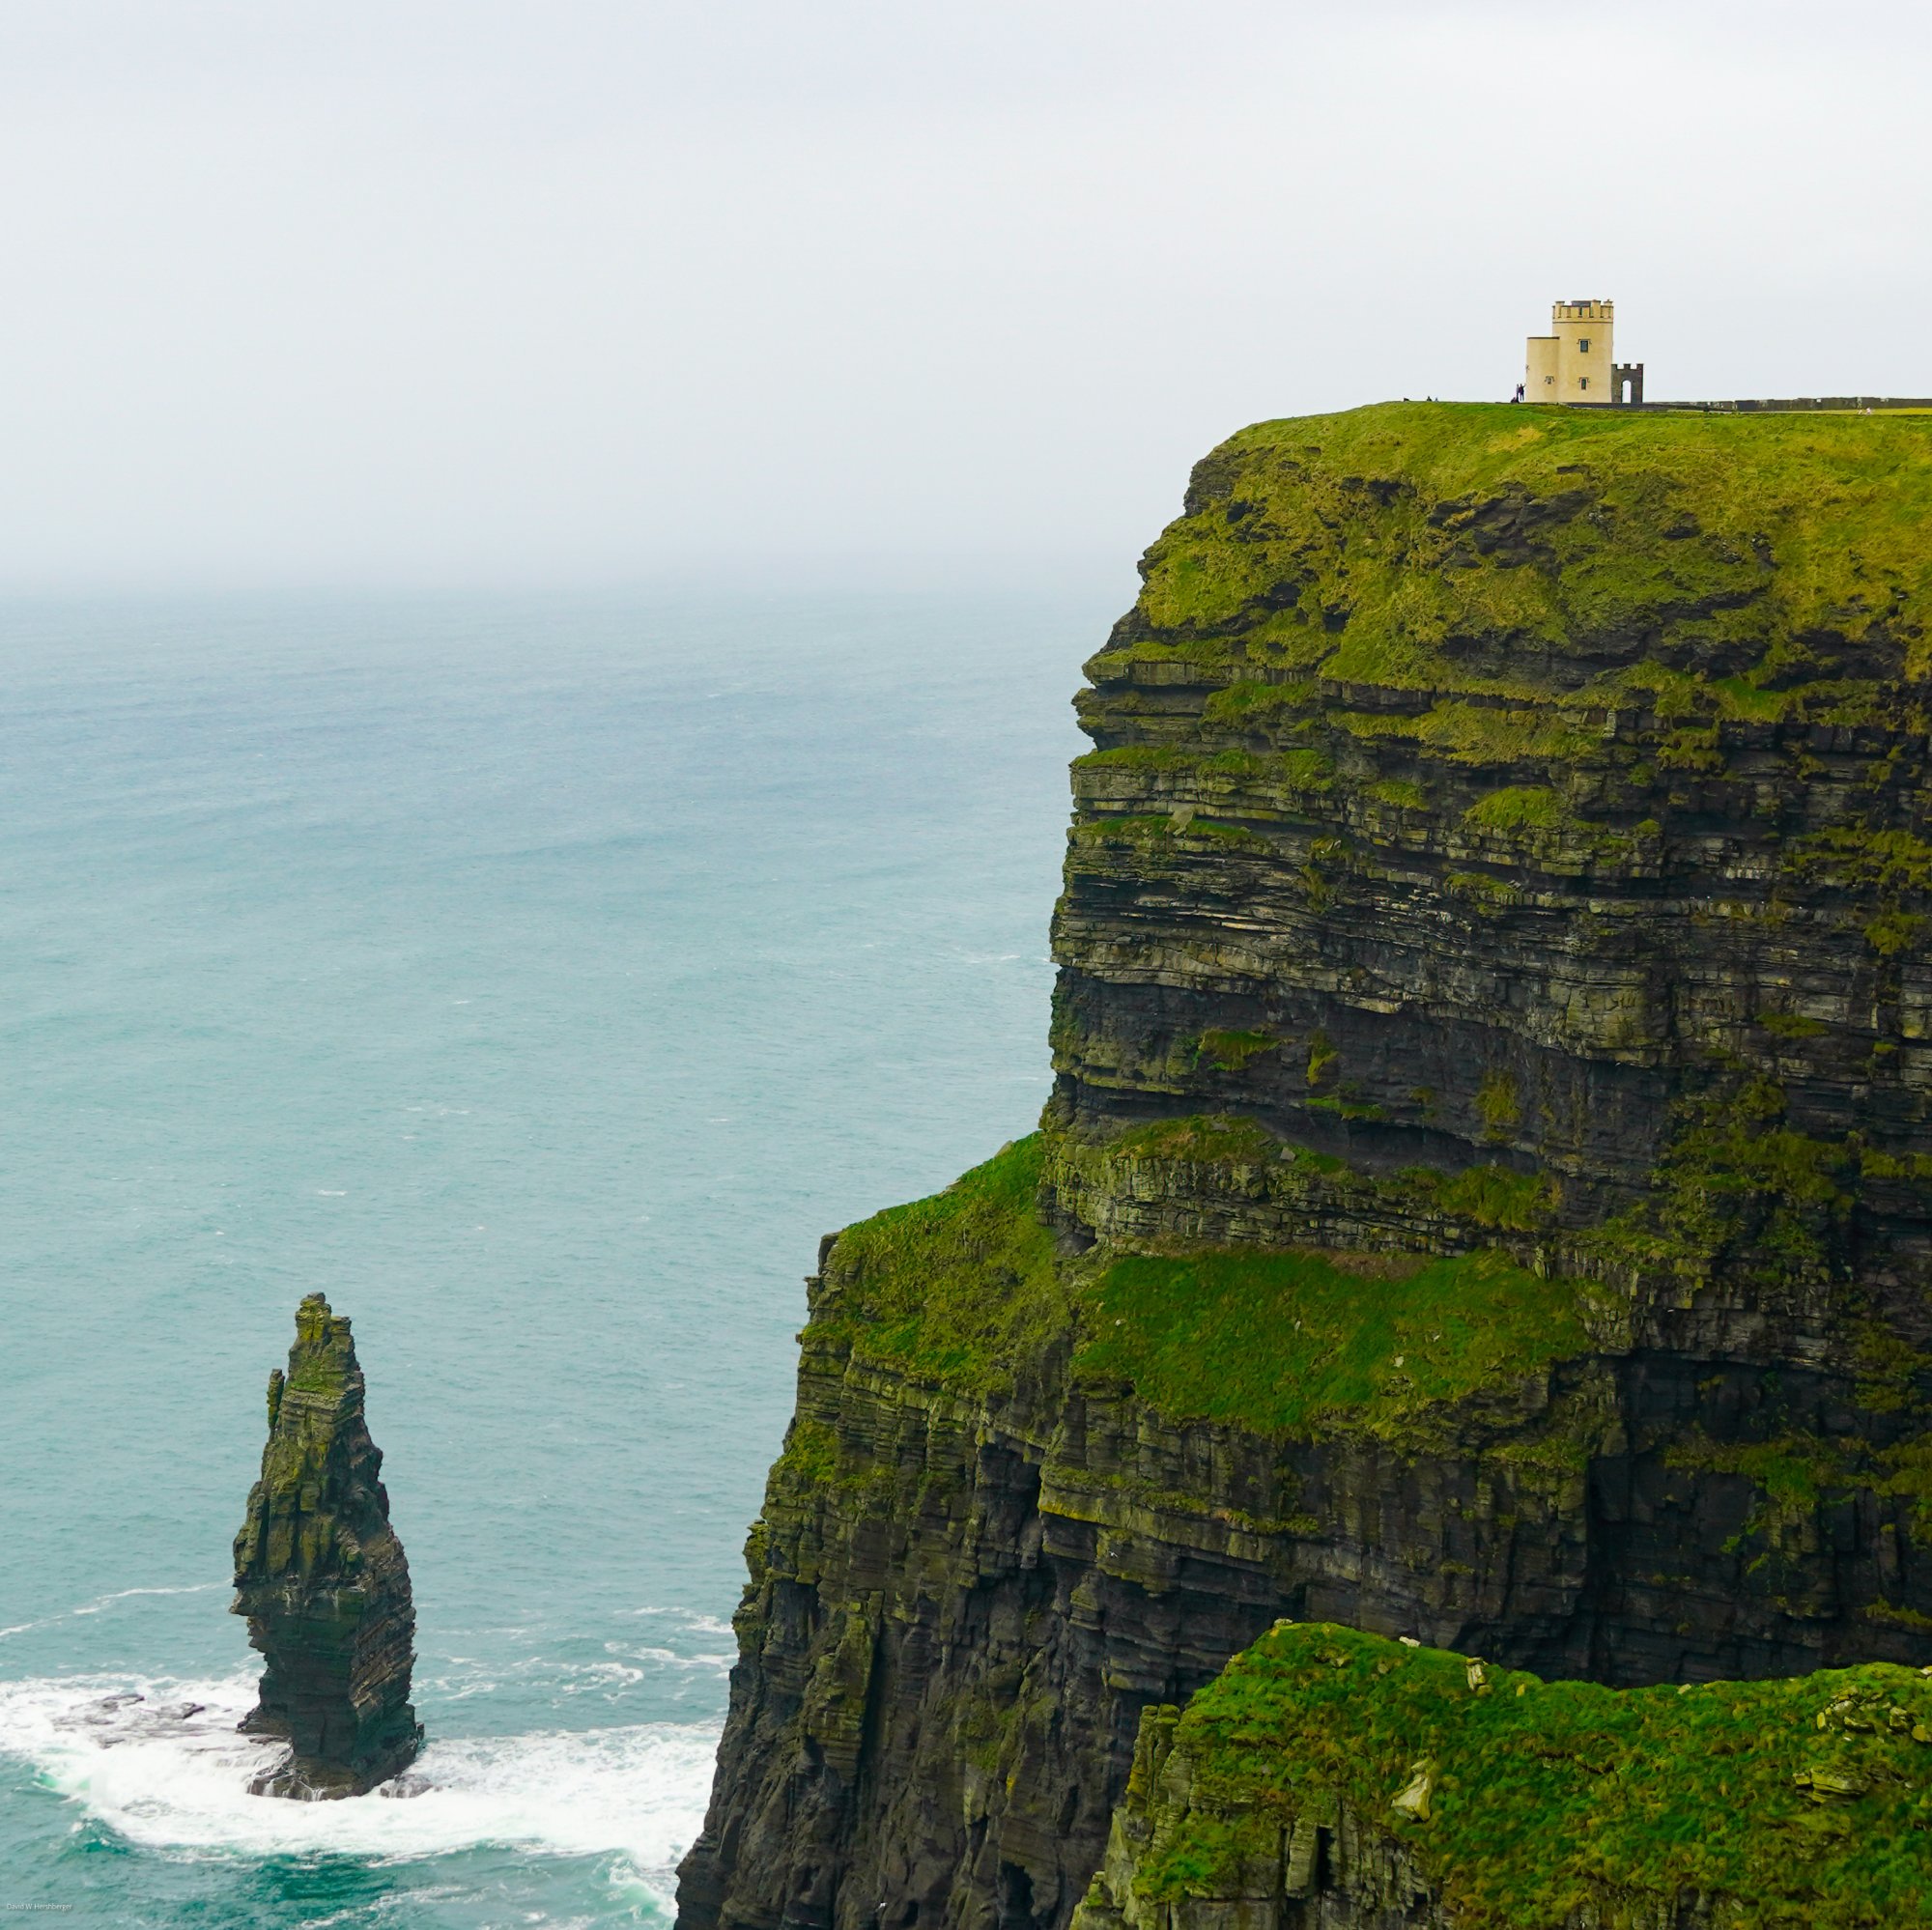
{"type": "Point", "coordinates": [158, 1763]}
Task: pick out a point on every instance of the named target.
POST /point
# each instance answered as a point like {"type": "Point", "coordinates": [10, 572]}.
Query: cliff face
{"type": "Point", "coordinates": [1483, 1195]}
{"type": "Point", "coordinates": [324, 1582]}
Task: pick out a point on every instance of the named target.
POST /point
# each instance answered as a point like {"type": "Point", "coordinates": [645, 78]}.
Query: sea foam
{"type": "Point", "coordinates": [177, 1782]}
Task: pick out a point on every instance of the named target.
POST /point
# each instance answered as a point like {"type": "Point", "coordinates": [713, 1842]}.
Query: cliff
{"type": "Point", "coordinates": [1328, 1777]}
{"type": "Point", "coordinates": [1483, 1195]}
{"type": "Point", "coordinates": [324, 1582]}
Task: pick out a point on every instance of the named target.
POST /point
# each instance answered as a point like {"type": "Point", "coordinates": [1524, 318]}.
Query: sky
{"type": "Point", "coordinates": [457, 293]}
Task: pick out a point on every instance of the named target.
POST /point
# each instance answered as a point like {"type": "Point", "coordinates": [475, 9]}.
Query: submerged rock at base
{"type": "Point", "coordinates": [324, 1582]}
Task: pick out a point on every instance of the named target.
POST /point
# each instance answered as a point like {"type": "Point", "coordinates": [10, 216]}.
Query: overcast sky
{"type": "Point", "coordinates": [479, 291]}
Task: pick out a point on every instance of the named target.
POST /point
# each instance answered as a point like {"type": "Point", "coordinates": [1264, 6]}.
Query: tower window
{"type": "Point", "coordinates": [1582, 381]}
{"type": "Point", "coordinates": [1583, 346]}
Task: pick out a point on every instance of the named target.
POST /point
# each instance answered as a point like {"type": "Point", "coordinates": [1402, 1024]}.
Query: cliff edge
{"type": "Point", "coordinates": [1484, 1196]}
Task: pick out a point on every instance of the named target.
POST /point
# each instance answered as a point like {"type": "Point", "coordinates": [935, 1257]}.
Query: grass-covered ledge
{"type": "Point", "coordinates": [1521, 1803]}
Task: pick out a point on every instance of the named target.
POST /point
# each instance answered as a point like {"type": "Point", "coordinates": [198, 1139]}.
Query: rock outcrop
{"type": "Point", "coordinates": [1484, 1193]}
{"type": "Point", "coordinates": [322, 1577]}
{"type": "Point", "coordinates": [1331, 1780]}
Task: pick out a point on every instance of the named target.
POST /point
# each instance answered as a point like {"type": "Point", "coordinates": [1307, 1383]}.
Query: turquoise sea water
{"type": "Point", "coordinates": [538, 978]}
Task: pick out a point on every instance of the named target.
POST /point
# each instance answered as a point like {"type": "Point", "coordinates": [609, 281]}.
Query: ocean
{"type": "Point", "coordinates": [538, 977]}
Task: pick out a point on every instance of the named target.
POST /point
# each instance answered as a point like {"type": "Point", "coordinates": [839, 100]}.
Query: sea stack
{"type": "Point", "coordinates": [324, 1582]}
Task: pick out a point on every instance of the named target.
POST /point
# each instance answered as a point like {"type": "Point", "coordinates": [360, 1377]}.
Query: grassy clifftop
{"type": "Point", "coordinates": [1515, 1802]}
{"type": "Point", "coordinates": [1597, 738]}
{"type": "Point", "coordinates": [1513, 551]}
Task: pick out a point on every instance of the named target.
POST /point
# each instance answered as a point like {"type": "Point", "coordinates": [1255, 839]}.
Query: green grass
{"type": "Point", "coordinates": [810, 1452]}
{"type": "Point", "coordinates": [1252, 704]}
{"type": "Point", "coordinates": [964, 1289]}
{"type": "Point", "coordinates": [1891, 932]}
{"type": "Point", "coordinates": [1405, 793]}
{"type": "Point", "coordinates": [1500, 1103]}
{"type": "Point", "coordinates": [1520, 807]}
{"type": "Point", "coordinates": [1808, 1800]}
{"type": "Point", "coordinates": [1296, 769]}
{"type": "Point", "coordinates": [960, 1286]}
{"type": "Point", "coordinates": [1741, 697]}
{"type": "Point", "coordinates": [1491, 1196]}
{"type": "Point", "coordinates": [1484, 735]}
{"type": "Point", "coordinates": [1460, 546]}
{"type": "Point", "coordinates": [1792, 1472]}
{"type": "Point", "coordinates": [1484, 1198]}
{"type": "Point", "coordinates": [1309, 1344]}
{"type": "Point", "coordinates": [1854, 859]}
{"type": "Point", "coordinates": [1480, 888]}
{"type": "Point", "coordinates": [1219, 1136]}
{"type": "Point", "coordinates": [1347, 1104]}
{"type": "Point", "coordinates": [1735, 1182]}
{"type": "Point", "coordinates": [1231, 1051]}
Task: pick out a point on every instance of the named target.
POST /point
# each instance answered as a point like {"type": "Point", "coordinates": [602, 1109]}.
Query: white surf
{"type": "Point", "coordinates": [129, 1755]}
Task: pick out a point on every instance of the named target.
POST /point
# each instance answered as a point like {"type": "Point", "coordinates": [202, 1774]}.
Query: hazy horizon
{"type": "Point", "coordinates": [441, 296]}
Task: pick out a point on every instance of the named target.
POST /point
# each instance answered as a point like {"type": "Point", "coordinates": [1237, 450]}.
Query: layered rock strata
{"type": "Point", "coordinates": [324, 1582]}
{"type": "Point", "coordinates": [1485, 1192]}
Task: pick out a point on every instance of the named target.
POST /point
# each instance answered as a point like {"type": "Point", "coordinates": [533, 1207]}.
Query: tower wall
{"type": "Point", "coordinates": [1540, 377]}
{"type": "Point", "coordinates": [1583, 351]}
{"type": "Point", "coordinates": [1575, 362]}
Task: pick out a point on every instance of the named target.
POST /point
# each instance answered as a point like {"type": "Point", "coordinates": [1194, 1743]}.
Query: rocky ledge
{"type": "Point", "coordinates": [1484, 1196]}
{"type": "Point", "coordinates": [324, 1582]}
{"type": "Point", "coordinates": [1332, 1779]}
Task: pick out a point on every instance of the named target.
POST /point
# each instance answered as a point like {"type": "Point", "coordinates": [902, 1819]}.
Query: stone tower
{"type": "Point", "coordinates": [1574, 362]}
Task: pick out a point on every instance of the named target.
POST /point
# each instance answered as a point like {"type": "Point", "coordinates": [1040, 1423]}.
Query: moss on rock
{"type": "Point", "coordinates": [323, 1579]}
{"type": "Point", "coordinates": [1325, 1761]}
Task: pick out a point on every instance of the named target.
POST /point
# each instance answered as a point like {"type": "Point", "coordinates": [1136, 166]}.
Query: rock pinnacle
{"type": "Point", "coordinates": [324, 1582]}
